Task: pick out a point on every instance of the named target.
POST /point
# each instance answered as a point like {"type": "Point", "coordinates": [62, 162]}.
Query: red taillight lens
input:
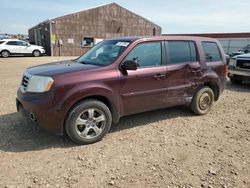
{"type": "Point", "coordinates": [225, 70]}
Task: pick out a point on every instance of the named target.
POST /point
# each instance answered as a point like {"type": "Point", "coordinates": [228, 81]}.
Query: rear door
{"type": "Point", "coordinates": [13, 47]}
{"type": "Point", "coordinates": [213, 57]}
{"type": "Point", "coordinates": [183, 71]}
{"type": "Point", "coordinates": [145, 88]}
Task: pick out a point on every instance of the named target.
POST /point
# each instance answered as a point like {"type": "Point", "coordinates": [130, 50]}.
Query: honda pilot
{"type": "Point", "coordinates": [120, 77]}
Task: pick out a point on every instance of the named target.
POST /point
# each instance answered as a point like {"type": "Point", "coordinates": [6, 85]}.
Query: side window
{"type": "Point", "coordinates": [211, 51]}
{"type": "Point", "coordinates": [182, 52]}
{"type": "Point", "coordinates": [12, 43]}
{"type": "Point", "coordinates": [147, 54]}
{"type": "Point", "coordinates": [20, 43]}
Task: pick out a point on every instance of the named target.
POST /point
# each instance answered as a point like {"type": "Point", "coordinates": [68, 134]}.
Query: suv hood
{"type": "Point", "coordinates": [35, 46]}
{"type": "Point", "coordinates": [61, 67]}
{"type": "Point", "coordinates": [243, 56]}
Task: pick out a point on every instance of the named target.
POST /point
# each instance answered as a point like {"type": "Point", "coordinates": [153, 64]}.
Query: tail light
{"type": "Point", "coordinates": [225, 70]}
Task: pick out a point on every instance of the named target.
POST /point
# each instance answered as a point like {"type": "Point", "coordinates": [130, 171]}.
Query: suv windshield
{"type": "Point", "coordinates": [104, 53]}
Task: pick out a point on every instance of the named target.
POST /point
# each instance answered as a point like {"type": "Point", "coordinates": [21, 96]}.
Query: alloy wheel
{"type": "Point", "coordinates": [90, 123]}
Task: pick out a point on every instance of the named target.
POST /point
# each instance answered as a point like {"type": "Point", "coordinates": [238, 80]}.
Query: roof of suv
{"type": "Point", "coordinates": [164, 37]}
{"type": "Point", "coordinates": [10, 40]}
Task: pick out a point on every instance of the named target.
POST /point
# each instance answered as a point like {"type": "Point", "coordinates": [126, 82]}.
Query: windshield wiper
{"type": "Point", "coordinates": [89, 63]}
{"type": "Point", "coordinates": [83, 62]}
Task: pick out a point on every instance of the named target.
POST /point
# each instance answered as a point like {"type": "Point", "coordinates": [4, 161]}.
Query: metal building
{"type": "Point", "coordinates": [74, 34]}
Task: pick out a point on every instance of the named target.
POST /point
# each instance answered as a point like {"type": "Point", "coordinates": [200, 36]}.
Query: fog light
{"type": "Point", "coordinates": [32, 116]}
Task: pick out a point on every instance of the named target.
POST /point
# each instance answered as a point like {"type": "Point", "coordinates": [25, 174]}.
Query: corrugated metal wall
{"type": "Point", "coordinates": [40, 35]}
{"type": "Point", "coordinates": [108, 21]}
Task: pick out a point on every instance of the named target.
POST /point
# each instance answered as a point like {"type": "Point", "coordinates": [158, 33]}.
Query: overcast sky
{"type": "Point", "coordinates": [189, 16]}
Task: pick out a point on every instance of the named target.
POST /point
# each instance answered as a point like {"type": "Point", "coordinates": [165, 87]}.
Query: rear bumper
{"type": "Point", "coordinates": [46, 115]}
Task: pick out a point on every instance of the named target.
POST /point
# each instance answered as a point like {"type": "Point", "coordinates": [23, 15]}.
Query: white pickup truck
{"type": "Point", "coordinates": [18, 47]}
{"type": "Point", "coordinates": [239, 68]}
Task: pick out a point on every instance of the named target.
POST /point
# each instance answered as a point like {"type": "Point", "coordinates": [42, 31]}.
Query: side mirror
{"type": "Point", "coordinates": [129, 65]}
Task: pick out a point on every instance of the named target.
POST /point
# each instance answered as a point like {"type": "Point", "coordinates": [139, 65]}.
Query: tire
{"type": "Point", "coordinates": [235, 81]}
{"type": "Point", "coordinates": [82, 124]}
{"type": "Point", "coordinates": [5, 53]}
{"type": "Point", "coordinates": [36, 53]}
{"type": "Point", "coordinates": [202, 101]}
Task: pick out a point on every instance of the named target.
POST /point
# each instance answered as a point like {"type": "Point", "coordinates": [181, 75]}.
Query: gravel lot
{"type": "Point", "coordinates": [164, 148]}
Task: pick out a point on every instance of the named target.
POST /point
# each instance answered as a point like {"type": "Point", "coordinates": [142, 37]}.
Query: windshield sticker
{"type": "Point", "coordinates": [125, 44]}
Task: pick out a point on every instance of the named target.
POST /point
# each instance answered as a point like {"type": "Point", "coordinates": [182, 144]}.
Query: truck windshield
{"type": "Point", "coordinates": [104, 53]}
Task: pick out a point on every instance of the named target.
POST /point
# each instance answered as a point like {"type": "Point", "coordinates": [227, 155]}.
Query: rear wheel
{"type": "Point", "coordinates": [88, 122]}
{"type": "Point", "coordinates": [36, 53]}
{"type": "Point", "coordinates": [202, 101]}
{"type": "Point", "coordinates": [5, 53]}
{"type": "Point", "coordinates": [235, 81]}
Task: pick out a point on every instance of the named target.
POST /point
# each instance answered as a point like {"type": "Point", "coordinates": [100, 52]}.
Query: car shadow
{"type": "Point", "coordinates": [18, 56]}
{"type": "Point", "coordinates": [145, 118]}
{"type": "Point", "coordinates": [244, 87]}
{"type": "Point", "coordinates": [19, 135]}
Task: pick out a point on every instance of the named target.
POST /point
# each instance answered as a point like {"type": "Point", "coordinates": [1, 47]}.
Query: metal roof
{"type": "Point", "coordinates": [76, 12]}
{"type": "Point", "coordinates": [215, 35]}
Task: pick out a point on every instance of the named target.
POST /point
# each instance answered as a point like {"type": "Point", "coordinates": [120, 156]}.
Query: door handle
{"type": "Point", "coordinates": [196, 70]}
{"type": "Point", "coordinates": [159, 76]}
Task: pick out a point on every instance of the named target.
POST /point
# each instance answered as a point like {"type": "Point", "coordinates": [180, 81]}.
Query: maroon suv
{"type": "Point", "coordinates": [119, 77]}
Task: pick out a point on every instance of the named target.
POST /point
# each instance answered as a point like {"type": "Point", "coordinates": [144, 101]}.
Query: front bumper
{"type": "Point", "coordinates": [238, 74]}
{"type": "Point", "coordinates": [43, 108]}
{"type": "Point", "coordinates": [43, 51]}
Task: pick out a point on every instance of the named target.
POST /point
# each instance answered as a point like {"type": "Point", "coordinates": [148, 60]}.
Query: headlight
{"type": "Point", "coordinates": [232, 61]}
{"type": "Point", "coordinates": [39, 84]}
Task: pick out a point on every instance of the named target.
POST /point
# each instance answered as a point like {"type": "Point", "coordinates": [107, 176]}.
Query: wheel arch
{"type": "Point", "coordinates": [101, 98]}
{"type": "Point", "coordinates": [214, 87]}
{"type": "Point", "coordinates": [5, 50]}
{"type": "Point", "coordinates": [36, 50]}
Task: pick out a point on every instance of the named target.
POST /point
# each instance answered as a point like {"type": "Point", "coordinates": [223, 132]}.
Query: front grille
{"type": "Point", "coordinates": [25, 82]}
{"type": "Point", "coordinates": [243, 64]}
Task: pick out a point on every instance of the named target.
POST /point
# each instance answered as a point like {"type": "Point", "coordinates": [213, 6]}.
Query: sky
{"type": "Point", "coordinates": [181, 16]}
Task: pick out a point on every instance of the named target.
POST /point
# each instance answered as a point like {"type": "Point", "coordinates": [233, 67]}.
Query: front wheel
{"type": "Point", "coordinates": [202, 101]}
{"type": "Point", "coordinates": [88, 122]}
{"type": "Point", "coordinates": [36, 53]}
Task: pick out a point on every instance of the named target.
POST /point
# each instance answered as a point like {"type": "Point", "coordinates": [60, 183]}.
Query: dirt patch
{"type": "Point", "coordinates": [164, 148]}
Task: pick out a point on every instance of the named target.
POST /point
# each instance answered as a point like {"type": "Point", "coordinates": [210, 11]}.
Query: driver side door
{"type": "Point", "coordinates": [23, 47]}
{"type": "Point", "coordinates": [144, 89]}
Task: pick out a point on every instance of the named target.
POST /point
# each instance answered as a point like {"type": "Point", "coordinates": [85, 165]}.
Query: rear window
{"type": "Point", "coordinates": [182, 52]}
{"type": "Point", "coordinates": [11, 43]}
{"type": "Point", "coordinates": [2, 42]}
{"type": "Point", "coordinates": [211, 51]}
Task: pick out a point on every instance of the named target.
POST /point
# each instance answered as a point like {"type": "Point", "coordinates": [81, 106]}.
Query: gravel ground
{"type": "Point", "coordinates": [164, 148]}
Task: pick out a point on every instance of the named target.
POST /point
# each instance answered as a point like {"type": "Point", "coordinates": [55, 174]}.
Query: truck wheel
{"type": "Point", "coordinates": [36, 53]}
{"type": "Point", "coordinates": [235, 81]}
{"type": "Point", "coordinates": [88, 122]}
{"type": "Point", "coordinates": [202, 101]}
{"type": "Point", "coordinates": [5, 53]}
